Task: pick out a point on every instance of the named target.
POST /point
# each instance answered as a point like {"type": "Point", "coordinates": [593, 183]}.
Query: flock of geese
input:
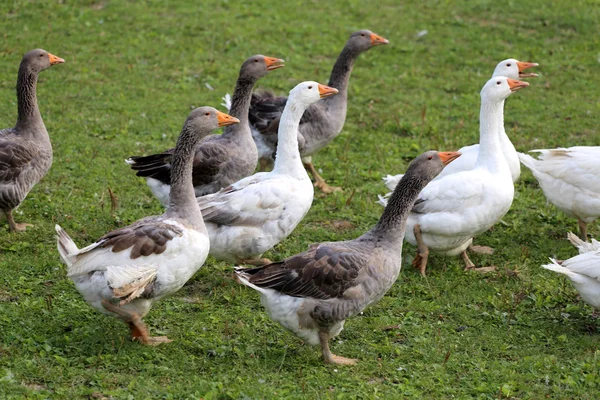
{"type": "Point", "coordinates": [216, 204]}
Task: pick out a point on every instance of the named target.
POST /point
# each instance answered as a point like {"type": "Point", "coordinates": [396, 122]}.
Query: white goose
{"type": "Point", "coordinates": [570, 179]}
{"type": "Point", "coordinates": [583, 270]}
{"type": "Point", "coordinates": [254, 214]}
{"type": "Point", "coordinates": [452, 210]}
{"type": "Point", "coordinates": [509, 68]}
{"type": "Point", "coordinates": [128, 269]}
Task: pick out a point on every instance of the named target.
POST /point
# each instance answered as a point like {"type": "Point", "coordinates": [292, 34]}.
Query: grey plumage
{"type": "Point", "coordinates": [219, 160]}
{"type": "Point", "coordinates": [323, 121]}
{"type": "Point", "coordinates": [25, 150]}
{"type": "Point", "coordinates": [337, 280]}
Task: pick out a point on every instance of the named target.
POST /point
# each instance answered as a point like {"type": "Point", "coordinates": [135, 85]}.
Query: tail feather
{"type": "Point", "coordinates": [527, 161]}
{"type": "Point", "coordinates": [243, 276]}
{"type": "Point", "coordinates": [391, 181]}
{"type": "Point", "coordinates": [556, 267]}
{"type": "Point", "coordinates": [583, 246]}
{"type": "Point", "coordinates": [226, 101]}
{"type": "Point", "coordinates": [66, 247]}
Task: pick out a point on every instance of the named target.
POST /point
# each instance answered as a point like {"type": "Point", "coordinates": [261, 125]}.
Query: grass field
{"type": "Point", "coordinates": [134, 70]}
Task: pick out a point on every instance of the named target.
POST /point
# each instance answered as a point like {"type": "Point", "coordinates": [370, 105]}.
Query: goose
{"type": "Point", "coordinates": [314, 292]}
{"type": "Point", "coordinates": [25, 150]}
{"type": "Point", "coordinates": [570, 179]}
{"type": "Point", "coordinates": [510, 68]}
{"type": "Point", "coordinates": [249, 217]}
{"type": "Point", "coordinates": [583, 270]}
{"type": "Point", "coordinates": [452, 210]}
{"type": "Point", "coordinates": [219, 160]}
{"type": "Point", "coordinates": [128, 269]}
{"type": "Point", "coordinates": [323, 121]}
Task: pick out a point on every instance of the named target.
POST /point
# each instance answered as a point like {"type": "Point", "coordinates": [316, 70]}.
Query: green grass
{"type": "Point", "coordinates": [134, 70]}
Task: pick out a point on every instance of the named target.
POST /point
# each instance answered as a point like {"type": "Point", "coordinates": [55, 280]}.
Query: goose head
{"type": "Point", "coordinates": [204, 120]}
{"type": "Point", "coordinates": [512, 68]}
{"type": "Point", "coordinates": [429, 164]}
{"type": "Point", "coordinates": [500, 87]}
{"type": "Point", "coordinates": [309, 92]}
{"type": "Point", "coordinates": [38, 60]}
{"type": "Point", "coordinates": [364, 39]}
{"type": "Point", "coordinates": [258, 66]}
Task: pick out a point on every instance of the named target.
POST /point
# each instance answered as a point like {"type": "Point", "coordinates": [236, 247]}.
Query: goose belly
{"type": "Point", "coordinates": [265, 150]}
{"type": "Point", "coordinates": [183, 256]}
{"type": "Point", "coordinates": [160, 190]}
{"type": "Point", "coordinates": [293, 313]}
{"type": "Point", "coordinates": [239, 242]}
{"type": "Point", "coordinates": [572, 200]}
{"type": "Point", "coordinates": [451, 233]}
{"type": "Point", "coordinates": [94, 288]}
{"type": "Point", "coordinates": [235, 243]}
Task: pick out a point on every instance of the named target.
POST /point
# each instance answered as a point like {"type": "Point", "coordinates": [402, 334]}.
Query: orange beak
{"type": "Point", "coordinates": [376, 40]}
{"type": "Point", "coordinates": [448, 156]}
{"type": "Point", "coordinates": [274, 63]}
{"type": "Point", "coordinates": [55, 60]}
{"type": "Point", "coordinates": [525, 65]}
{"type": "Point", "coordinates": [226, 119]}
{"type": "Point", "coordinates": [515, 84]}
{"type": "Point", "coordinates": [325, 91]}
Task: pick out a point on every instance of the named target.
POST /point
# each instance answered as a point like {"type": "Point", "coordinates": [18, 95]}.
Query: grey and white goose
{"type": "Point", "coordinates": [219, 160]}
{"type": "Point", "coordinates": [126, 270]}
{"type": "Point", "coordinates": [314, 292]}
{"type": "Point", "coordinates": [25, 150]}
{"type": "Point", "coordinates": [323, 121]}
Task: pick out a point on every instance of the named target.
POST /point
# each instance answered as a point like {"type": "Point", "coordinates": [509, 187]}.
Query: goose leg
{"type": "Point", "coordinates": [319, 181]}
{"type": "Point", "coordinates": [481, 249]}
{"type": "Point", "coordinates": [259, 262]}
{"type": "Point", "coordinates": [328, 356]}
{"type": "Point", "coordinates": [138, 329]}
{"type": "Point", "coordinates": [420, 260]}
{"type": "Point", "coordinates": [469, 266]}
{"type": "Point", "coordinates": [468, 263]}
{"type": "Point", "coordinates": [582, 230]}
{"type": "Point", "coordinates": [13, 226]}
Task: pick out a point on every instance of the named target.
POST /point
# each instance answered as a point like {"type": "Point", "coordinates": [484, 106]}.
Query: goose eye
{"type": "Point", "coordinates": [310, 87]}
{"type": "Point", "coordinates": [362, 34]}
{"type": "Point", "coordinates": [255, 60]}
{"type": "Point", "coordinates": [207, 114]}
{"type": "Point", "coordinates": [508, 65]}
{"type": "Point", "coordinates": [430, 158]}
{"type": "Point", "coordinates": [498, 83]}
{"type": "Point", "coordinates": [41, 55]}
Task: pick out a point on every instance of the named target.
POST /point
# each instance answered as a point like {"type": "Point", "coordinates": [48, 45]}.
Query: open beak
{"type": "Point", "coordinates": [525, 65]}
{"type": "Point", "coordinates": [448, 156]}
{"type": "Point", "coordinates": [376, 40]}
{"type": "Point", "coordinates": [226, 119]}
{"type": "Point", "coordinates": [515, 84]}
{"type": "Point", "coordinates": [55, 60]}
{"type": "Point", "coordinates": [274, 63]}
{"type": "Point", "coordinates": [325, 91]}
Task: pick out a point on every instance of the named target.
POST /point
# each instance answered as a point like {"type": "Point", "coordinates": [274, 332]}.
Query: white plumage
{"type": "Point", "coordinates": [252, 215]}
{"type": "Point", "coordinates": [583, 270]}
{"type": "Point", "coordinates": [570, 179]}
{"type": "Point", "coordinates": [453, 209]}
{"type": "Point", "coordinates": [509, 68]}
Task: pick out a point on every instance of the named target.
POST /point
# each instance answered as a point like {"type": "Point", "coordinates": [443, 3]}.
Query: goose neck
{"type": "Point", "coordinates": [491, 119]}
{"type": "Point", "coordinates": [287, 157]}
{"type": "Point", "coordinates": [392, 224]}
{"type": "Point", "coordinates": [29, 116]}
{"type": "Point", "coordinates": [182, 200]}
{"type": "Point", "coordinates": [240, 105]}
